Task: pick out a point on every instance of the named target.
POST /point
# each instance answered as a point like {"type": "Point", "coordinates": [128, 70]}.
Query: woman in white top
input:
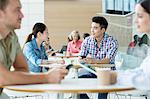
{"type": "Point", "coordinates": [140, 77]}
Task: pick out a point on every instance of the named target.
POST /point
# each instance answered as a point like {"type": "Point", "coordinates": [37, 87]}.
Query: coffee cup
{"type": "Point", "coordinates": [106, 76]}
{"type": "Point", "coordinates": [113, 76]}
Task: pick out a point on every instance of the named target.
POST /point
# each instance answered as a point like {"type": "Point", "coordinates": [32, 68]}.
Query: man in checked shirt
{"type": "Point", "coordinates": [98, 48]}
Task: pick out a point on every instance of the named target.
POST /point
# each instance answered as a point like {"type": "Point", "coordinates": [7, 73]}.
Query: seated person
{"type": "Point", "coordinates": [34, 51]}
{"type": "Point", "coordinates": [11, 54]}
{"type": "Point", "coordinates": [98, 48]}
{"type": "Point", "coordinates": [85, 35]}
{"type": "Point", "coordinates": [139, 77]}
{"type": "Point", "coordinates": [74, 46]}
{"type": "Point", "coordinates": [49, 50]}
{"type": "Point", "coordinates": [64, 47]}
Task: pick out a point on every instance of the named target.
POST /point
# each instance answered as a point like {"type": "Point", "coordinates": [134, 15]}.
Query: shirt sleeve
{"type": "Point", "coordinates": [45, 54]}
{"type": "Point", "coordinates": [84, 48]}
{"type": "Point", "coordinates": [17, 45]}
{"type": "Point", "coordinates": [142, 79]}
{"type": "Point", "coordinates": [29, 53]}
{"type": "Point", "coordinates": [139, 77]}
{"type": "Point", "coordinates": [68, 47]}
{"type": "Point", "coordinates": [113, 50]}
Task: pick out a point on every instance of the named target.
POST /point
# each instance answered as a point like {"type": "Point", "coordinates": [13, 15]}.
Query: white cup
{"type": "Point", "coordinates": [106, 76]}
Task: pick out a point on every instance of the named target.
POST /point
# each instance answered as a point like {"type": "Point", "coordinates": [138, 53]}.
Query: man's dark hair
{"type": "Point", "coordinates": [100, 20]}
{"type": "Point", "coordinates": [3, 4]}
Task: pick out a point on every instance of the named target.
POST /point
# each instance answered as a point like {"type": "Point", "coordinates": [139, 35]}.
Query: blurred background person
{"type": "Point", "coordinates": [74, 46]}
{"type": "Point", "coordinates": [133, 44]}
{"type": "Point", "coordinates": [140, 76]}
{"type": "Point", "coordinates": [85, 35]}
{"type": "Point", "coordinates": [139, 47]}
{"type": "Point", "coordinates": [64, 47]}
{"type": "Point", "coordinates": [49, 50]}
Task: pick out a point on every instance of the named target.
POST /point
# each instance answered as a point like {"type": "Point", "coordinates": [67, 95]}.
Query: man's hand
{"type": "Point", "coordinates": [86, 60]}
{"type": "Point", "coordinates": [55, 75]}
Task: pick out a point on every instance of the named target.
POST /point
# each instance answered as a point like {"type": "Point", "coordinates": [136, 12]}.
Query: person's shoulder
{"type": "Point", "coordinates": [70, 42]}
{"type": "Point", "coordinates": [79, 41]}
{"type": "Point", "coordinates": [89, 38]}
{"type": "Point", "coordinates": [131, 44]}
{"type": "Point", "coordinates": [28, 44]}
{"type": "Point", "coordinates": [13, 35]}
{"type": "Point", "coordinates": [112, 38]}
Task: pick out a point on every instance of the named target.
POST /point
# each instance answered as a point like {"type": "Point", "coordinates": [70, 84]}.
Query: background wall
{"type": "Point", "coordinates": [63, 16]}
{"type": "Point", "coordinates": [33, 11]}
{"type": "Point", "coordinates": [121, 27]}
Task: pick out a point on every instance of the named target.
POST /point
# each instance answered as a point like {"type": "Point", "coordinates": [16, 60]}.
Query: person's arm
{"type": "Point", "coordinates": [97, 61]}
{"type": "Point", "coordinates": [141, 81]}
{"type": "Point", "coordinates": [68, 53]}
{"type": "Point", "coordinates": [112, 51]}
{"type": "Point", "coordinates": [142, 78]}
{"type": "Point", "coordinates": [103, 61]}
{"type": "Point", "coordinates": [84, 48]}
{"type": "Point", "coordinates": [19, 77]}
{"type": "Point", "coordinates": [22, 64]}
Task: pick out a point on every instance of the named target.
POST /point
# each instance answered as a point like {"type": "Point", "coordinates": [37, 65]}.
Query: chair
{"type": "Point", "coordinates": [135, 93]}
{"type": "Point", "coordinates": [25, 95]}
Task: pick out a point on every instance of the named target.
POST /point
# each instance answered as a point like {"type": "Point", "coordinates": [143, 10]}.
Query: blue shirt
{"type": "Point", "coordinates": [34, 55]}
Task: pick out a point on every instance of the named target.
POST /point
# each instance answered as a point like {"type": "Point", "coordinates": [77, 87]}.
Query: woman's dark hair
{"type": "Point", "coordinates": [38, 27]}
{"type": "Point", "coordinates": [101, 21]}
{"type": "Point", "coordinates": [145, 4]}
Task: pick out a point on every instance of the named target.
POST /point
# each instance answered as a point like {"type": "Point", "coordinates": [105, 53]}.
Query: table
{"type": "Point", "coordinates": [73, 86]}
{"type": "Point", "coordinates": [59, 55]}
{"type": "Point", "coordinates": [74, 61]}
{"type": "Point", "coordinates": [81, 85]}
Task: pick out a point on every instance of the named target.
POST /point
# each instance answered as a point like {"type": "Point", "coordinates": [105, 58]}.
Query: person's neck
{"type": "Point", "coordinates": [74, 41]}
{"type": "Point", "coordinates": [4, 31]}
{"type": "Point", "coordinates": [39, 42]}
{"type": "Point", "coordinates": [99, 39]}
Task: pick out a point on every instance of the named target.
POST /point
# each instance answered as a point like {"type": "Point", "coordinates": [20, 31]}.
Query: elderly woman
{"type": "Point", "coordinates": [74, 46]}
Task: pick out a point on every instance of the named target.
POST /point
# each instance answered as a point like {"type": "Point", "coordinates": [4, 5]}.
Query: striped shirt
{"type": "Point", "coordinates": [108, 48]}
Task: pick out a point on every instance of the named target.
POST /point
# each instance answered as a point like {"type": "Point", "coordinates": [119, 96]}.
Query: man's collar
{"type": "Point", "coordinates": [1, 37]}
{"type": "Point", "coordinates": [10, 34]}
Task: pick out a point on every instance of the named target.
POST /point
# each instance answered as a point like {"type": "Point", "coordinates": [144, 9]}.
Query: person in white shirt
{"type": "Point", "coordinates": [140, 77]}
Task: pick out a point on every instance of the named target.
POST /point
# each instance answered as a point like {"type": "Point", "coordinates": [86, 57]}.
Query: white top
{"type": "Point", "coordinates": [71, 86]}
{"type": "Point", "coordinates": [139, 77]}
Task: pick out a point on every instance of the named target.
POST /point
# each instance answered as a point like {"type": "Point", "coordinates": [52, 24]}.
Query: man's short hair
{"type": "Point", "coordinates": [100, 20]}
{"type": "Point", "coordinates": [3, 4]}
